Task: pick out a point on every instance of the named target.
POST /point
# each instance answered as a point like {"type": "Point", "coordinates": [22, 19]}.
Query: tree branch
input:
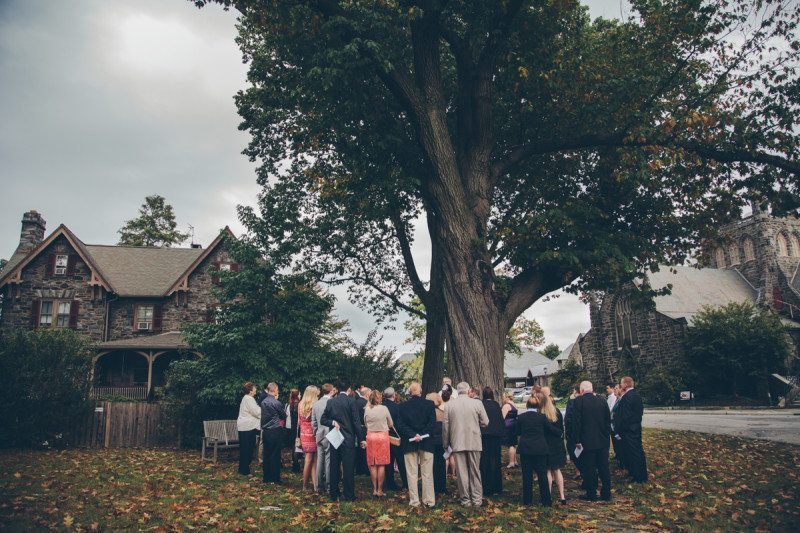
{"type": "Point", "coordinates": [408, 258]}
{"type": "Point", "coordinates": [391, 297]}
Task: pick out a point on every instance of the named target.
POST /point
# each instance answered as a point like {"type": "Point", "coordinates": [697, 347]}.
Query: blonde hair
{"type": "Point", "coordinates": [310, 395]}
{"type": "Point", "coordinates": [547, 408]}
{"type": "Point", "coordinates": [435, 398]}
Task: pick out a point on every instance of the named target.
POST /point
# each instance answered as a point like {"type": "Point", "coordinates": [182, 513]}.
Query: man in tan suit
{"type": "Point", "coordinates": [463, 420]}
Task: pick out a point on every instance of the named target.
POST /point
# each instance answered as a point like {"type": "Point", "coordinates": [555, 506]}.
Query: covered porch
{"type": "Point", "coordinates": [135, 369]}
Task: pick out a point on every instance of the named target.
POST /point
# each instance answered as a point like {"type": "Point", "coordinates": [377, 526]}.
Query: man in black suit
{"type": "Point", "coordinates": [628, 427]}
{"type": "Point", "coordinates": [396, 452]}
{"type": "Point", "coordinates": [591, 428]}
{"type": "Point", "coordinates": [417, 417]}
{"type": "Point", "coordinates": [341, 412]}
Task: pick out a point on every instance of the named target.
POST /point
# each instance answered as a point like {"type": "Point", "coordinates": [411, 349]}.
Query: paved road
{"type": "Point", "coordinates": [777, 425]}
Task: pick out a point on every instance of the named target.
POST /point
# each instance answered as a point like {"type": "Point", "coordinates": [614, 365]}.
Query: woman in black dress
{"type": "Point", "coordinates": [509, 411]}
{"type": "Point", "coordinates": [557, 453]}
{"type": "Point", "coordinates": [439, 465]}
{"type": "Point", "coordinates": [532, 426]}
{"type": "Point", "coordinates": [492, 440]}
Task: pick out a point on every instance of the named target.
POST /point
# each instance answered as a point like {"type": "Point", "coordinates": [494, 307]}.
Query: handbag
{"type": "Point", "coordinates": [394, 441]}
{"type": "Point", "coordinates": [298, 445]}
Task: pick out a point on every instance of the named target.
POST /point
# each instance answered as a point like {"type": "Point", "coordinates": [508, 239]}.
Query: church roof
{"type": "Point", "coordinates": [694, 288]}
{"type": "Point", "coordinates": [519, 366]}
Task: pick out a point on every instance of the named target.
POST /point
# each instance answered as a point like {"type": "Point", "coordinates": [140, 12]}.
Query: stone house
{"type": "Point", "coordinates": [130, 301]}
{"type": "Point", "coordinates": [756, 260]}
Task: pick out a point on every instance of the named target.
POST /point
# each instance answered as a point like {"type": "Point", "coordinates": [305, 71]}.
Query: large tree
{"type": "Point", "coordinates": [536, 146]}
{"type": "Point", "coordinates": [155, 225]}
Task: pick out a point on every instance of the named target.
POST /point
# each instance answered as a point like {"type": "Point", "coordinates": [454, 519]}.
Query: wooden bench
{"type": "Point", "coordinates": [219, 434]}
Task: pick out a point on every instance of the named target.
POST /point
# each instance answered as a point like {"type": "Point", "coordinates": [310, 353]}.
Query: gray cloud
{"type": "Point", "coordinates": [106, 102]}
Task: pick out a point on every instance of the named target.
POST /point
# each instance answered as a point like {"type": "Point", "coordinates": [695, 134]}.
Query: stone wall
{"type": "Point", "coordinates": [37, 284]}
{"type": "Point", "coordinates": [176, 311]}
{"type": "Point", "coordinates": [660, 341]}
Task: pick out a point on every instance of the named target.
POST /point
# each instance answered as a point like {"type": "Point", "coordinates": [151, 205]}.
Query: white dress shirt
{"type": "Point", "coordinates": [611, 400]}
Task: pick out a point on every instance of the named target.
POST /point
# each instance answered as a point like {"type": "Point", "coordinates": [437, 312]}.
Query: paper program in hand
{"type": "Point", "coordinates": [335, 437]}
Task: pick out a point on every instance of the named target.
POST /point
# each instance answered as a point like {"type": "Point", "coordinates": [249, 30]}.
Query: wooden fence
{"type": "Point", "coordinates": [125, 425]}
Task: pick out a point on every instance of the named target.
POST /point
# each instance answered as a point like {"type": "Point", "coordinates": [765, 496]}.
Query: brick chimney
{"type": "Point", "coordinates": [32, 233]}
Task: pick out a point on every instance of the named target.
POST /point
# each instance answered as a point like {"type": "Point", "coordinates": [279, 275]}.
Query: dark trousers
{"type": "Point", "coordinates": [538, 464]}
{"type": "Point", "coordinates": [344, 457]}
{"type": "Point", "coordinates": [618, 453]}
{"type": "Point", "coordinates": [571, 452]}
{"type": "Point", "coordinates": [396, 457]}
{"type": "Point", "coordinates": [439, 470]}
{"type": "Point", "coordinates": [594, 463]}
{"type": "Point", "coordinates": [273, 443]}
{"type": "Point", "coordinates": [247, 443]}
{"type": "Point", "coordinates": [491, 469]}
{"type": "Point", "coordinates": [635, 460]}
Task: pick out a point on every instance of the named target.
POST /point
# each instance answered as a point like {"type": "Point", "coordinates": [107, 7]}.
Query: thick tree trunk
{"type": "Point", "coordinates": [433, 369]}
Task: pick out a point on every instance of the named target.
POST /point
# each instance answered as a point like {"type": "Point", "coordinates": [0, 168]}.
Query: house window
{"type": "Point", "coordinates": [144, 317]}
{"type": "Point", "coordinates": [54, 312]}
{"type": "Point", "coordinates": [733, 251]}
{"type": "Point", "coordinates": [749, 252]}
{"type": "Point", "coordinates": [626, 332]}
{"type": "Point", "coordinates": [61, 264]}
{"type": "Point", "coordinates": [62, 316]}
{"type": "Point", "coordinates": [46, 314]}
{"type": "Point", "coordinates": [225, 267]}
{"type": "Point", "coordinates": [719, 256]}
{"type": "Point", "coordinates": [795, 251]}
{"type": "Point", "coordinates": [781, 244]}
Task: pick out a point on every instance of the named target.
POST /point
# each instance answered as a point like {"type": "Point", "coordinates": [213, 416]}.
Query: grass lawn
{"type": "Point", "coordinates": [698, 482]}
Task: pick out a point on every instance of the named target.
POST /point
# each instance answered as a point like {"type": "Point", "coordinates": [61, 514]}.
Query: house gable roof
{"type": "Point", "coordinates": [76, 244]}
{"type": "Point", "coordinates": [226, 232]}
{"type": "Point", "coordinates": [519, 366]}
{"type": "Point", "coordinates": [128, 271]}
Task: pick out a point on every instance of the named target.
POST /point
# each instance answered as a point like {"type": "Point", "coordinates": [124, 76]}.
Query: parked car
{"type": "Point", "coordinates": [523, 394]}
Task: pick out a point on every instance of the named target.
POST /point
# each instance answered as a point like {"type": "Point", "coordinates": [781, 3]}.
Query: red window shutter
{"type": "Point", "coordinates": [234, 267]}
{"type": "Point", "coordinates": [135, 316]}
{"type": "Point", "coordinates": [158, 317]}
{"type": "Point", "coordinates": [51, 265]}
{"type": "Point", "coordinates": [35, 310]}
{"type": "Point", "coordinates": [71, 260]}
{"type": "Point", "coordinates": [73, 313]}
{"type": "Point", "coordinates": [215, 273]}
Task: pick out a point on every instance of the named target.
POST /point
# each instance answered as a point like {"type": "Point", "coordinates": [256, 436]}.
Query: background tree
{"type": "Point", "coordinates": [551, 351]}
{"type": "Point", "coordinates": [43, 371]}
{"type": "Point", "coordinates": [570, 374]}
{"type": "Point", "coordinates": [155, 225]}
{"type": "Point", "coordinates": [536, 146]}
{"type": "Point", "coordinates": [271, 325]}
{"type": "Point", "coordinates": [734, 348]}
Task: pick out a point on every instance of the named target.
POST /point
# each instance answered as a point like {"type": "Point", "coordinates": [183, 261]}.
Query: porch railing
{"type": "Point", "coordinates": [129, 393]}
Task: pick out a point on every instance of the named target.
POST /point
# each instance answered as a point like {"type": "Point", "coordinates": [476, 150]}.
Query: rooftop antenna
{"type": "Point", "coordinates": [191, 231]}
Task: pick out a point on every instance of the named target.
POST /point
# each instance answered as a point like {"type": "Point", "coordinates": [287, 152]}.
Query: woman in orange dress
{"type": "Point", "coordinates": [308, 441]}
{"type": "Point", "coordinates": [378, 421]}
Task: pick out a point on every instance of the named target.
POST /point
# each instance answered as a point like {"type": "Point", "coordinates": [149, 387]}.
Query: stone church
{"type": "Point", "coordinates": [756, 260]}
{"type": "Point", "coordinates": [130, 301]}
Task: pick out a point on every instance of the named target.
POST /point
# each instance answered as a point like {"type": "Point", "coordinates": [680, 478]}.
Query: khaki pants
{"type": "Point", "coordinates": [422, 462]}
{"type": "Point", "coordinates": [468, 472]}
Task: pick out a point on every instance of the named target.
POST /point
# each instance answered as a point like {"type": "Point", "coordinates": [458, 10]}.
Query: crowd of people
{"type": "Point", "coordinates": [336, 432]}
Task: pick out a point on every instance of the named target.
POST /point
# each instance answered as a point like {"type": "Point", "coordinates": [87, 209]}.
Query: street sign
{"type": "Point", "coordinates": [686, 395]}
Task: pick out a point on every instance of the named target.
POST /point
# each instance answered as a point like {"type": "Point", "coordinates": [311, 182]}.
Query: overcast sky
{"type": "Point", "coordinates": [107, 101]}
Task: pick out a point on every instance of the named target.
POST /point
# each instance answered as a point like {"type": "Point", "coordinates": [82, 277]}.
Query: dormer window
{"type": "Point", "coordinates": [144, 317]}
{"type": "Point", "coordinates": [61, 264]}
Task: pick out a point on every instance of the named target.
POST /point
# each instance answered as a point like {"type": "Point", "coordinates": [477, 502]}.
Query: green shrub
{"type": "Point", "coordinates": [45, 378]}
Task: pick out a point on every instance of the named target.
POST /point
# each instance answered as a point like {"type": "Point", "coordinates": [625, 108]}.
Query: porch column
{"type": "Point", "coordinates": [149, 373]}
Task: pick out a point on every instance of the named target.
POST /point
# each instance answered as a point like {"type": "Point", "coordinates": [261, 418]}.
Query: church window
{"type": "Point", "coordinates": [749, 252]}
{"type": "Point", "coordinates": [733, 251]}
{"type": "Point", "coordinates": [719, 256]}
{"type": "Point", "coordinates": [795, 244]}
{"type": "Point", "coordinates": [782, 245]}
{"type": "Point", "coordinates": [626, 332]}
